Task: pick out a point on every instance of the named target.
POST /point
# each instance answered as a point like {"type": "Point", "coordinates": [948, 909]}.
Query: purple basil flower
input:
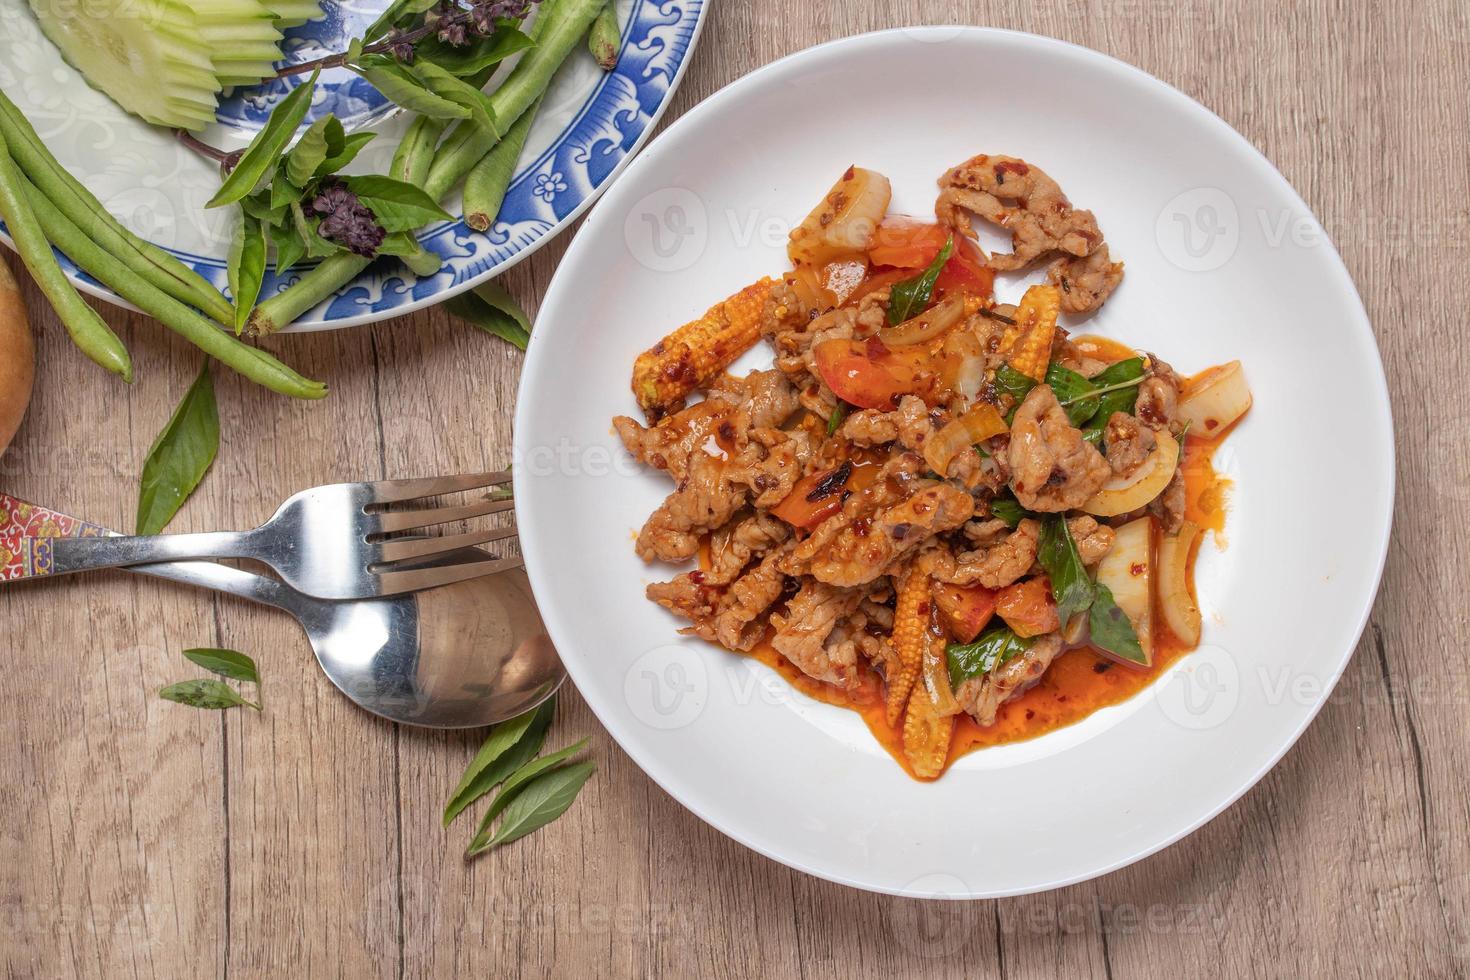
{"type": "Point", "coordinates": [346, 221]}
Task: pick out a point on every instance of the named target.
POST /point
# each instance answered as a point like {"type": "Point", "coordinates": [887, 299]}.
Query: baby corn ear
{"type": "Point", "coordinates": [926, 735]}
{"type": "Point", "coordinates": [1028, 343]}
{"type": "Point", "coordinates": [910, 621]}
{"type": "Point", "coordinates": [665, 374]}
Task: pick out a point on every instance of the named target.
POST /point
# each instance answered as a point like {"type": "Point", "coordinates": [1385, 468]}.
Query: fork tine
{"type": "Point", "coordinates": [407, 520]}
{"type": "Point", "coordinates": [415, 580]}
{"type": "Point", "coordinates": [400, 549]}
{"type": "Point", "coordinates": [397, 491]}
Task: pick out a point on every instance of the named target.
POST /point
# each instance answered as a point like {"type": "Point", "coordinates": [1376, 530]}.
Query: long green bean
{"type": "Point", "coordinates": [559, 25]}
{"type": "Point", "coordinates": [83, 208]}
{"type": "Point", "coordinates": [257, 365]}
{"type": "Point", "coordinates": [605, 37]}
{"type": "Point", "coordinates": [87, 328]}
{"type": "Point", "coordinates": [485, 187]}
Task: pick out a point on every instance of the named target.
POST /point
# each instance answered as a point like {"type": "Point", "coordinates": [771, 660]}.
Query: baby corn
{"type": "Point", "coordinates": [926, 735]}
{"type": "Point", "coordinates": [1029, 342]}
{"type": "Point", "coordinates": [665, 374]}
{"type": "Point", "coordinates": [910, 622]}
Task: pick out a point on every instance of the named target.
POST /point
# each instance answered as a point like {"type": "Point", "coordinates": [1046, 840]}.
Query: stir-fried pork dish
{"type": "Point", "coordinates": [935, 508]}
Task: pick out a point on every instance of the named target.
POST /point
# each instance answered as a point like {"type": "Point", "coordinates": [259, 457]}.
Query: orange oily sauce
{"type": "Point", "coordinates": [1079, 681]}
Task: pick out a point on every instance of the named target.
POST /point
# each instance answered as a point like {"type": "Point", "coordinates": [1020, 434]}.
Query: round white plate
{"type": "Point", "coordinates": [590, 125]}
{"type": "Point", "coordinates": [1224, 261]}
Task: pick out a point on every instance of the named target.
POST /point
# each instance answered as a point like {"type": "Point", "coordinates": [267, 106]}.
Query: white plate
{"type": "Point", "coordinates": [1224, 261]}
{"type": "Point", "coordinates": [590, 125]}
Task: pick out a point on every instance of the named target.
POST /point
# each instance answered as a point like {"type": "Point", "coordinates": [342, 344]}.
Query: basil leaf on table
{"type": "Point", "coordinates": [507, 793]}
{"type": "Point", "coordinates": [511, 745]}
{"type": "Point", "coordinates": [993, 648]}
{"type": "Point", "coordinates": [398, 206]}
{"type": "Point", "coordinates": [1071, 389]}
{"type": "Point", "coordinates": [260, 157]}
{"type": "Point", "coordinates": [1111, 629]}
{"type": "Point", "coordinates": [1057, 554]}
{"type": "Point", "coordinates": [226, 663]}
{"type": "Point", "coordinates": [181, 455]}
{"type": "Point", "coordinates": [910, 297]}
{"type": "Point", "coordinates": [310, 152]}
{"type": "Point", "coordinates": [214, 695]}
{"type": "Point", "coordinates": [542, 800]}
{"type": "Point", "coordinates": [246, 272]}
{"type": "Point", "coordinates": [494, 311]}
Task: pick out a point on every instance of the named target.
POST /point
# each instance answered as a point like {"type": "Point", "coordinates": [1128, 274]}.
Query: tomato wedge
{"type": "Point", "coordinates": [964, 609]}
{"type": "Point", "coordinates": [965, 272]}
{"type": "Point", "coordinates": [906, 243]}
{"type": "Point", "coordinates": [814, 498]}
{"type": "Point", "coordinates": [1028, 607]}
{"type": "Point", "coordinates": [866, 373]}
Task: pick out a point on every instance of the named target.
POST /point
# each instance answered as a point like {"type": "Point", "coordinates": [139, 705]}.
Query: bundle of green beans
{"type": "Point", "coordinates": [470, 150]}
{"type": "Point", "coordinates": [43, 205]}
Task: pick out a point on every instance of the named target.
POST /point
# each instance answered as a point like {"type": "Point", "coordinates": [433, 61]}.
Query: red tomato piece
{"type": "Point", "coordinates": [865, 373]}
{"type": "Point", "coordinates": [964, 609]}
{"type": "Point", "coordinates": [813, 499]}
{"type": "Point", "coordinates": [1028, 607]}
{"type": "Point", "coordinates": [906, 244]}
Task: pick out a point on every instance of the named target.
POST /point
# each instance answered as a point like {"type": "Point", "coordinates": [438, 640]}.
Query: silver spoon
{"type": "Point", "coordinates": [459, 656]}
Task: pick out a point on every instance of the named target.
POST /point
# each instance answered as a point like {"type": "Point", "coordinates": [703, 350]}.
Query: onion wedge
{"type": "Point", "coordinates": [1126, 570]}
{"type": "Point", "coordinates": [927, 325]}
{"type": "Point", "coordinates": [1177, 607]}
{"type": "Point", "coordinates": [1123, 495]}
{"type": "Point", "coordinates": [1213, 399]}
{"type": "Point", "coordinates": [976, 425]}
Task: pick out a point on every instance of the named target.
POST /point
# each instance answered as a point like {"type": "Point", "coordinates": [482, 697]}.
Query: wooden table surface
{"type": "Point", "coordinates": [142, 839]}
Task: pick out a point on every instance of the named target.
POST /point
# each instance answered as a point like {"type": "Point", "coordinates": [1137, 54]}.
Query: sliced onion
{"type": "Point", "coordinates": [1123, 495]}
{"type": "Point", "coordinates": [845, 221]}
{"type": "Point", "coordinates": [978, 424]}
{"type": "Point", "coordinates": [927, 325]}
{"type": "Point", "coordinates": [1126, 570]}
{"type": "Point", "coordinates": [806, 283]}
{"type": "Point", "coordinates": [1213, 399]}
{"type": "Point", "coordinates": [1179, 610]}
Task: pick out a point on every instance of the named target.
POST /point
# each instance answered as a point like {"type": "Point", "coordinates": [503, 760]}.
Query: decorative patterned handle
{"type": "Point", "coordinates": [23, 527]}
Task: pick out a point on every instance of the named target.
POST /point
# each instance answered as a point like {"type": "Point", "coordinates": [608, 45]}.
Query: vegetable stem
{"type": "Point", "coordinates": [87, 328]}
{"type": "Point", "coordinates": [1101, 391]}
{"type": "Point", "coordinates": [78, 204]}
{"type": "Point", "coordinates": [485, 187]}
{"type": "Point", "coordinates": [606, 37]}
{"type": "Point", "coordinates": [255, 364]}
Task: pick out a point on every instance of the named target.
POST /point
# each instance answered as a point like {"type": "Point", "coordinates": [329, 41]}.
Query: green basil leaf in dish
{"type": "Point", "coordinates": [993, 648]}
{"type": "Point", "coordinates": [911, 297]}
{"type": "Point", "coordinates": [246, 270]}
{"type": "Point", "coordinates": [398, 205]}
{"type": "Point", "coordinates": [1009, 509]}
{"type": "Point", "coordinates": [1057, 554]}
{"type": "Point", "coordinates": [1118, 399]}
{"type": "Point", "coordinates": [1111, 629]}
{"type": "Point", "coordinates": [1009, 381]}
{"type": "Point", "coordinates": [260, 158]}
{"type": "Point", "coordinates": [408, 92]}
{"type": "Point", "coordinates": [180, 456]}
{"type": "Point", "coordinates": [310, 151]}
{"type": "Point", "coordinates": [1072, 391]}
{"type": "Point", "coordinates": [351, 146]}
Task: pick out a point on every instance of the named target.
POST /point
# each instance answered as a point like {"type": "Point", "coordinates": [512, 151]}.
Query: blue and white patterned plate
{"type": "Point", "coordinates": [590, 125]}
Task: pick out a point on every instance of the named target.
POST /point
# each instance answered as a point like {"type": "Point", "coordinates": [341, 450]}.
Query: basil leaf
{"type": "Point", "coordinates": [1094, 437]}
{"type": "Point", "coordinates": [351, 146]}
{"type": "Point", "coordinates": [1111, 629]}
{"type": "Point", "coordinates": [214, 695]}
{"type": "Point", "coordinates": [494, 311]}
{"type": "Point", "coordinates": [258, 206]}
{"type": "Point", "coordinates": [283, 192]}
{"type": "Point", "coordinates": [1071, 389]}
{"type": "Point", "coordinates": [246, 272]}
{"type": "Point", "coordinates": [398, 206]}
{"type": "Point", "coordinates": [511, 745]}
{"type": "Point", "coordinates": [1009, 509]}
{"type": "Point", "coordinates": [309, 152]}
{"type": "Point", "coordinates": [261, 156]}
{"type": "Point", "coordinates": [543, 800]}
{"type": "Point", "coordinates": [976, 659]}
{"type": "Point", "coordinates": [1122, 400]}
{"type": "Point", "coordinates": [834, 421]}
{"type": "Point", "coordinates": [181, 455]}
{"type": "Point", "coordinates": [1009, 381]}
{"type": "Point", "coordinates": [521, 777]}
{"type": "Point", "coordinates": [396, 11]}
{"type": "Point", "coordinates": [910, 297]}
{"type": "Point", "coordinates": [226, 663]}
{"type": "Point", "coordinates": [473, 58]}
{"type": "Point", "coordinates": [457, 90]}
{"type": "Point", "coordinates": [403, 245]}
{"type": "Point", "coordinates": [315, 245]}
{"type": "Point", "coordinates": [1057, 554]}
{"type": "Point", "coordinates": [289, 248]}
{"type": "Point", "coordinates": [402, 89]}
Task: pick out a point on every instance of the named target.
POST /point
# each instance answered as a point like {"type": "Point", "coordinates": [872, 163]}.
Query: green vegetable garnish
{"type": "Point", "coordinates": [1072, 391]}
{"type": "Point", "coordinates": [1057, 554]}
{"type": "Point", "coordinates": [993, 648]}
{"type": "Point", "coordinates": [910, 297]}
{"type": "Point", "coordinates": [181, 455]}
{"type": "Point", "coordinates": [1008, 509]}
{"type": "Point", "coordinates": [1121, 380]}
{"type": "Point", "coordinates": [1111, 630]}
{"type": "Point", "coordinates": [834, 421]}
{"type": "Point", "coordinates": [1009, 381]}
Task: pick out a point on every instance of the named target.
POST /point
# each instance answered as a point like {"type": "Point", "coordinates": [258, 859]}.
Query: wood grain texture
{"type": "Point", "coordinates": [145, 840]}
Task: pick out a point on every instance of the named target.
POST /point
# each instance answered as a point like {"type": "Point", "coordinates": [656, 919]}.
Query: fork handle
{"type": "Point", "coordinates": [82, 554]}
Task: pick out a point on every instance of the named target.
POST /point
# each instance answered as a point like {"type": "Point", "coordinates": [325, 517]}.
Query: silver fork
{"type": "Point", "coordinates": [329, 542]}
